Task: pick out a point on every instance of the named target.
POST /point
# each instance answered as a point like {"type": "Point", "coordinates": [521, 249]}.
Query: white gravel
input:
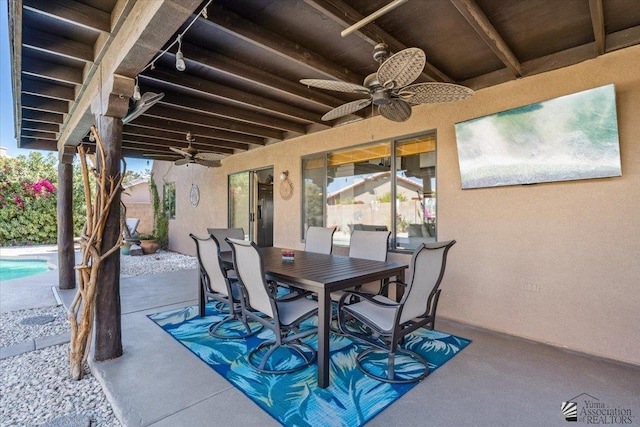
{"type": "Point", "coordinates": [35, 389]}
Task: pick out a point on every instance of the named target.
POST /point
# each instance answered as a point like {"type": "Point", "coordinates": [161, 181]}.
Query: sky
{"type": "Point", "coordinates": [7, 122]}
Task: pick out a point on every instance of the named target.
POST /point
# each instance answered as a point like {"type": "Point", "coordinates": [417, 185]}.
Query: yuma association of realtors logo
{"type": "Point", "coordinates": [588, 409]}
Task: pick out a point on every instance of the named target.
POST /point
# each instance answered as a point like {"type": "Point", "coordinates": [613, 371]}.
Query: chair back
{"type": "Point", "coordinates": [369, 245]}
{"type": "Point", "coordinates": [319, 239]}
{"type": "Point", "coordinates": [425, 274]}
{"type": "Point", "coordinates": [132, 224]}
{"type": "Point", "coordinates": [222, 233]}
{"type": "Point", "coordinates": [208, 253]}
{"type": "Point", "coordinates": [247, 263]}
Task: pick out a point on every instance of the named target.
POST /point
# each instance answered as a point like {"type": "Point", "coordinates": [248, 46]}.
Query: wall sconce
{"type": "Point", "coordinates": [284, 175]}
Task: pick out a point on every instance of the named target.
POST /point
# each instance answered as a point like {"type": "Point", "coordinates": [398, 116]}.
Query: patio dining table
{"type": "Point", "coordinates": [322, 274]}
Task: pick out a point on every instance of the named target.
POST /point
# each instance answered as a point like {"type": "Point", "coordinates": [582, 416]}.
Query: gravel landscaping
{"type": "Point", "coordinates": [35, 389]}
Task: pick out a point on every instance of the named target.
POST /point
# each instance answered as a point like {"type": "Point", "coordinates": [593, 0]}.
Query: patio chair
{"type": "Point", "coordinates": [373, 245]}
{"type": "Point", "coordinates": [283, 315]}
{"type": "Point", "coordinates": [132, 225]}
{"type": "Point", "coordinates": [390, 322]}
{"type": "Point", "coordinates": [319, 239]}
{"type": "Point", "coordinates": [222, 233]}
{"type": "Point", "coordinates": [219, 287]}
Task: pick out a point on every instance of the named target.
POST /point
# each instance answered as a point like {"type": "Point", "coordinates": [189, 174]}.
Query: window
{"type": "Point", "coordinates": [415, 192]}
{"type": "Point", "coordinates": [355, 189]}
{"type": "Point", "coordinates": [169, 199]}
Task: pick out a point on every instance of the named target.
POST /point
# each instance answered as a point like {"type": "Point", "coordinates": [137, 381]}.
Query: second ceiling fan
{"type": "Point", "coordinates": [390, 87]}
{"type": "Point", "coordinates": [191, 155]}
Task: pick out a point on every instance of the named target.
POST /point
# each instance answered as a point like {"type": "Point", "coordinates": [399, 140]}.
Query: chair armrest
{"type": "Point", "coordinates": [386, 285]}
{"type": "Point", "coordinates": [365, 296]}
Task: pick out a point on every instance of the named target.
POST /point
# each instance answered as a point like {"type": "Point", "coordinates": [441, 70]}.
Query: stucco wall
{"type": "Point", "coordinates": [577, 243]}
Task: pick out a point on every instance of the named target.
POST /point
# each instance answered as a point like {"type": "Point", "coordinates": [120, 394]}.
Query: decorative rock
{"type": "Point", "coordinates": [35, 386]}
{"type": "Point", "coordinates": [136, 250]}
{"type": "Point", "coordinates": [37, 320]}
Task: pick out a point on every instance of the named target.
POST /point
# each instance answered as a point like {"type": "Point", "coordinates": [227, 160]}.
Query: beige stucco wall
{"type": "Point", "coordinates": [578, 242]}
{"type": "Point", "coordinates": [137, 199]}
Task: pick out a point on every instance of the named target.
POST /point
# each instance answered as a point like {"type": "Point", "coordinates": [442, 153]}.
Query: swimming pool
{"type": "Point", "coordinates": [14, 269]}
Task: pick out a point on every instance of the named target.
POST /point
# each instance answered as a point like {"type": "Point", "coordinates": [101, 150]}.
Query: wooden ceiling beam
{"type": "Point", "coordinates": [623, 38]}
{"type": "Point", "coordinates": [44, 104]}
{"type": "Point", "coordinates": [48, 90]}
{"type": "Point", "coordinates": [236, 26]}
{"type": "Point", "coordinates": [178, 139]}
{"type": "Point", "coordinates": [226, 111]}
{"type": "Point", "coordinates": [213, 122]}
{"type": "Point", "coordinates": [345, 15]}
{"type": "Point", "coordinates": [38, 135]}
{"type": "Point", "coordinates": [470, 10]}
{"type": "Point", "coordinates": [38, 126]}
{"type": "Point", "coordinates": [138, 141]}
{"type": "Point", "coordinates": [38, 144]}
{"type": "Point", "coordinates": [41, 116]}
{"type": "Point", "coordinates": [238, 97]}
{"type": "Point", "coordinates": [59, 46]}
{"type": "Point", "coordinates": [73, 12]}
{"type": "Point", "coordinates": [51, 71]}
{"type": "Point", "coordinates": [254, 76]}
{"type": "Point", "coordinates": [233, 140]}
{"type": "Point", "coordinates": [597, 21]}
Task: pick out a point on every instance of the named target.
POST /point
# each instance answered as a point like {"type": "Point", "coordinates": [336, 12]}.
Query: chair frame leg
{"type": "Point", "coordinates": [391, 375]}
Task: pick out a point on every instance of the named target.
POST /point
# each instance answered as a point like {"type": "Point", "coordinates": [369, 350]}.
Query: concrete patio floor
{"type": "Point", "coordinates": [498, 380]}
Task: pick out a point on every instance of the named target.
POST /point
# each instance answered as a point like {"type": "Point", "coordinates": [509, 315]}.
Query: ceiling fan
{"type": "Point", "coordinates": [192, 155]}
{"type": "Point", "coordinates": [390, 87]}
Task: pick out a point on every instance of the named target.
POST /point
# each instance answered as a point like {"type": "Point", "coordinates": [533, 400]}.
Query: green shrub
{"type": "Point", "coordinates": [28, 197]}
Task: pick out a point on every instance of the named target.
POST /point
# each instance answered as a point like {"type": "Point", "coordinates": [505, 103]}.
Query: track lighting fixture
{"type": "Point", "coordinates": [136, 91]}
{"type": "Point", "coordinates": [180, 65]}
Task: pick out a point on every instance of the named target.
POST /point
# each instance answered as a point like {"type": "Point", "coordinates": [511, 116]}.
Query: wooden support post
{"type": "Point", "coordinates": [66, 252]}
{"type": "Point", "coordinates": [108, 332]}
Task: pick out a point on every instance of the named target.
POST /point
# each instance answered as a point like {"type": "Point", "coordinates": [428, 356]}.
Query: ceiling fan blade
{"type": "Point", "coordinates": [430, 93]}
{"type": "Point", "coordinates": [209, 156]}
{"type": "Point", "coordinates": [335, 85]}
{"type": "Point", "coordinates": [402, 68]}
{"type": "Point", "coordinates": [397, 110]}
{"type": "Point", "coordinates": [180, 151]}
{"type": "Point", "coordinates": [209, 163]}
{"type": "Point", "coordinates": [181, 162]}
{"type": "Point", "coordinates": [345, 109]}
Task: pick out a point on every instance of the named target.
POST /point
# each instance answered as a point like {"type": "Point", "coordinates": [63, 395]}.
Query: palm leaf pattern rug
{"type": "Point", "coordinates": [294, 399]}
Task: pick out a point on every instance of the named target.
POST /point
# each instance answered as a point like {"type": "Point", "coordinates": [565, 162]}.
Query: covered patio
{"type": "Point", "coordinates": [543, 278]}
{"type": "Point", "coordinates": [497, 380]}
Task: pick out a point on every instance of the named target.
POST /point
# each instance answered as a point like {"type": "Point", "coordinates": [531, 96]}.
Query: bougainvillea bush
{"type": "Point", "coordinates": [28, 197]}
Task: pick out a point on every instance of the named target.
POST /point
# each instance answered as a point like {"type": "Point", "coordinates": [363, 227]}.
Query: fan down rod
{"type": "Point", "coordinates": [372, 17]}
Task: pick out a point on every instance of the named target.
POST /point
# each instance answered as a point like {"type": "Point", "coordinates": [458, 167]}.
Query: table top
{"type": "Point", "coordinates": [328, 272]}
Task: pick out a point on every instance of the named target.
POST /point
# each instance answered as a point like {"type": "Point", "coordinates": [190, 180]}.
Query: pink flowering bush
{"type": "Point", "coordinates": [28, 197]}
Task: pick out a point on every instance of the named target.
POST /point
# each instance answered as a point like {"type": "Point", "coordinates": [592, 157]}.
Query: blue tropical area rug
{"type": "Point", "coordinates": [294, 399]}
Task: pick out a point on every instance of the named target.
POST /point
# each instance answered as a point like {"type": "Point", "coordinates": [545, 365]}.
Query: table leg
{"type": "Point", "coordinates": [201, 298]}
{"type": "Point", "coordinates": [324, 323]}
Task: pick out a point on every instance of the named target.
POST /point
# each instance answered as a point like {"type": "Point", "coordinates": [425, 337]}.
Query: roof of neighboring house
{"type": "Point", "coordinates": [373, 177]}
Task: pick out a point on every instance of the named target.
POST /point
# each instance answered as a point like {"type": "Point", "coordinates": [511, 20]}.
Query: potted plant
{"type": "Point", "coordinates": [125, 248]}
{"type": "Point", "coordinates": [149, 244]}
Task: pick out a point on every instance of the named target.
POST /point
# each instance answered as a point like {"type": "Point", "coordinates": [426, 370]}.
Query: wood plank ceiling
{"type": "Point", "coordinates": [241, 87]}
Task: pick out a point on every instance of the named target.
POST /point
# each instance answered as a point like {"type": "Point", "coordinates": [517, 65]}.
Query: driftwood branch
{"type": "Point", "coordinates": [82, 309]}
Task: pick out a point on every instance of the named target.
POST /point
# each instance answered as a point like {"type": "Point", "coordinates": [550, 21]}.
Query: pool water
{"type": "Point", "coordinates": [13, 269]}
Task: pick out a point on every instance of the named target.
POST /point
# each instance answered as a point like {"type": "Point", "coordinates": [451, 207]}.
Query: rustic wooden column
{"type": "Point", "coordinates": [66, 251]}
{"type": "Point", "coordinates": [110, 106]}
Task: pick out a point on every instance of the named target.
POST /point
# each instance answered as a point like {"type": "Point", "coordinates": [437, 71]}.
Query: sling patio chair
{"type": "Point", "coordinates": [384, 323]}
{"type": "Point", "coordinates": [219, 287]}
{"type": "Point", "coordinates": [319, 240]}
{"type": "Point", "coordinates": [287, 352]}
